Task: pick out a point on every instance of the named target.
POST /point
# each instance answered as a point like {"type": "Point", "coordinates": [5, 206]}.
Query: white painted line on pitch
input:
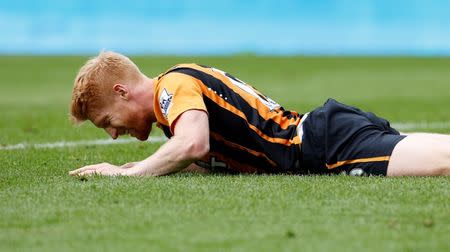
{"type": "Point", "coordinates": [62, 144]}
{"type": "Point", "coordinates": [421, 125]}
{"type": "Point", "coordinates": [401, 126]}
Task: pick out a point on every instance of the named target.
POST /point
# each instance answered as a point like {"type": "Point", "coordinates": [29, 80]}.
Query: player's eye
{"type": "Point", "coordinates": [105, 124]}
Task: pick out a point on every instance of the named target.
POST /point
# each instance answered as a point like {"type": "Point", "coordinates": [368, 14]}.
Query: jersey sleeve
{"type": "Point", "coordinates": [178, 93]}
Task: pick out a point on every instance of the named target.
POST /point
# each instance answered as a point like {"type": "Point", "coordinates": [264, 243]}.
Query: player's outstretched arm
{"type": "Point", "coordinates": [191, 168]}
{"type": "Point", "coordinates": [189, 143]}
{"type": "Point", "coordinates": [421, 154]}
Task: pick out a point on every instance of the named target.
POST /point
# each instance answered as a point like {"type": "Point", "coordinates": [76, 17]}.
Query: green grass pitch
{"type": "Point", "coordinates": [43, 209]}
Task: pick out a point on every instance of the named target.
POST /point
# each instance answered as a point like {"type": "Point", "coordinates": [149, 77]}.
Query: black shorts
{"type": "Point", "coordinates": [342, 139]}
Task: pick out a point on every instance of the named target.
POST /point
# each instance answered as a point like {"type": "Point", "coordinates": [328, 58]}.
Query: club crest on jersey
{"type": "Point", "coordinates": [165, 100]}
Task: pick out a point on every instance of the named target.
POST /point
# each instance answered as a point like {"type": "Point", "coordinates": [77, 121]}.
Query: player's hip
{"type": "Point", "coordinates": [337, 138]}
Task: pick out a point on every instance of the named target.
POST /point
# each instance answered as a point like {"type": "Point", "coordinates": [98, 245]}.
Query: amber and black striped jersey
{"type": "Point", "coordinates": [249, 132]}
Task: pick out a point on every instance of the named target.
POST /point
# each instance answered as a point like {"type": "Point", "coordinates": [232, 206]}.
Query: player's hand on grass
{"type": "Point", "coordinates": [104, 169]}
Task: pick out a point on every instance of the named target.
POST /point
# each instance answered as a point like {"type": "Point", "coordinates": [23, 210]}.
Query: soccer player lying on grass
{"type": "Point", "coordinates": [219, 123]}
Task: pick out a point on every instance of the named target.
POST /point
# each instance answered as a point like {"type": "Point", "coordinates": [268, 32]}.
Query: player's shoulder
{"type": "Point", "coordinates": [180, 73]}
{"type": "Point", "coordinates": [182, 66]}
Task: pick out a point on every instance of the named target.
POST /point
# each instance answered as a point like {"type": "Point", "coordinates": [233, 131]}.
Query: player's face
{"type": "Point", "coordinates": [124, 118]}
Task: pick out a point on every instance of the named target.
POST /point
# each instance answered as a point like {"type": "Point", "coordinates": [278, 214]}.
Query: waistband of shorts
{"type": "Point", "coordinates": [300, 126]}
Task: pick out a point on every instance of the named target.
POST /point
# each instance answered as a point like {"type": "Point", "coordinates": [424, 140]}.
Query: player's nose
{"type": "Point", "coordinates": [112, 132]}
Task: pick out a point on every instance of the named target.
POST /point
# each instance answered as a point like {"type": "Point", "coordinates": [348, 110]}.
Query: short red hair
{"type": "Point", "coordinates": [94, 82]}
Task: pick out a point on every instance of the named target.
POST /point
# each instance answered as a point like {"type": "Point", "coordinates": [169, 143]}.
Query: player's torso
{"type": "Point", "coordinates": [249, 132]}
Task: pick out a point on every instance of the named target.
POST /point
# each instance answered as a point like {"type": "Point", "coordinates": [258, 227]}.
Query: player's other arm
{"type": "Point", "coordinates": [189, 143]}
{"type": "Point", "coordinates": [191, 168]}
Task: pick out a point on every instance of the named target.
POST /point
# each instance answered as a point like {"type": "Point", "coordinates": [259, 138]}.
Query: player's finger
{"type": "Point", "coordinates": [85, 168]}
{"type": "Point", "coordinates": [88, 173]}
{"type": "Point", "coordinates": [79, 171]}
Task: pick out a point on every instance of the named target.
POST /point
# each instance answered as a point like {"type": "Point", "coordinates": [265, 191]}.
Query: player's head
{"type": "Point", "coordinates": [103, 93]}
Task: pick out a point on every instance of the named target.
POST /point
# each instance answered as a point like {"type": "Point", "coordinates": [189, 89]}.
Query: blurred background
{"type": "Point", "coordinates": [388, 57]}
{"type": "Point", "coordinates": [195, 27]}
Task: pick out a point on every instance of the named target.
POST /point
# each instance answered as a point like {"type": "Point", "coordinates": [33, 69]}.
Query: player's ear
{"type": "Point", "coordinates": [121, 90]}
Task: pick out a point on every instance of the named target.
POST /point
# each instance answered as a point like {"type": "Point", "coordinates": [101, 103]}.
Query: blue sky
{"type": "Point", "coordinates": [225, 27]}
